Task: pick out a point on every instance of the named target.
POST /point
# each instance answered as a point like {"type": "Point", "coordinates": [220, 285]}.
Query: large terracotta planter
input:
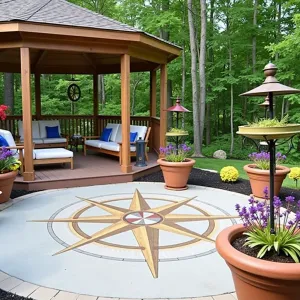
{"type": "Point", "coordinates": [176, 174]}
{"type": "Point", "coordinates": [256, 278]}
{"type": "Point", "coordinates": [259, 179]}
{"type": "Point", "coordinates": [6, 184]}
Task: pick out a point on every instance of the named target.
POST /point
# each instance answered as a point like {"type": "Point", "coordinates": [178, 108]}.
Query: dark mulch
{"type": "Point", "coordinates": [197, 177]}
{"type": "Point", "coordinates": [210, 179]}
{"type": "Point", "coordinates": [238, 244]}
{"type": "Point", "coordinates": [9, 296]}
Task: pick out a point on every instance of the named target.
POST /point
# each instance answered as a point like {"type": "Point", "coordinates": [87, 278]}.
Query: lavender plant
{"type": "Point", "coordinates": [172, 154]}
{"type": "Point", "coordinates": [256, 218]}
{"type": "Point", "coordinates": [262, 159]}
{"type": "Point", "coordinates": [7, 161]}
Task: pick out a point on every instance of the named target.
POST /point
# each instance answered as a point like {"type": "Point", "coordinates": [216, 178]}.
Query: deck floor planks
{"type": "Point", "coordinates": [91, 168]}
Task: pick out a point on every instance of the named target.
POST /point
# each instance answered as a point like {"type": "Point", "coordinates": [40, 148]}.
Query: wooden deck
{"type": "Point", "coordinates": [92, 169]}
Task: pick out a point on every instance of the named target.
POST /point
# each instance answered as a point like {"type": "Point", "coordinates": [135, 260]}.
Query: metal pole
{"type": "Point", "coordinates": [272, 149]}
{"type": "Point", "coordinates": [177, 138]}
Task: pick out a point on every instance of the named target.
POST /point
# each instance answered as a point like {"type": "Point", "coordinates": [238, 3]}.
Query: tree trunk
{"type": "Point", "coordinates": [169, 103]}
{"type": "Point", "coordinates": [231, 102]}
{"type": "Point", "coordinates": [196, 121]}
{"type": "Point", "coordinates": [133, 95]}
{"type": "Point", "coordinates": [9, 90]}
{"type": "Point", "coordinates": [255, 4]}
{"type": "Point", "coordinates": [183, 70]}
{"type": "Point", "coordinates": [101, 90]}
{"type": "Point", "coordinates": [202, 61]}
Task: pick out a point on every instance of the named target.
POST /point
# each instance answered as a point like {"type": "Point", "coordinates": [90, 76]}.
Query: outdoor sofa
{"type": "Point", "coordinates": [41, 137]}
{"type": "Point", "coordinates": [40, 156]}
{"type": "Point", "coordinates": [114, 144]}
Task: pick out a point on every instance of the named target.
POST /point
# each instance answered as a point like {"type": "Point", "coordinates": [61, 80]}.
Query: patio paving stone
{"type": "Point", "coordinates": [10, 283]}
{"type": "Point", "coordinates": [65, 296]}
{"type": "Point", "coordinates": [24, 289]}
{"type": "Point", "coordinates": [43, 293]}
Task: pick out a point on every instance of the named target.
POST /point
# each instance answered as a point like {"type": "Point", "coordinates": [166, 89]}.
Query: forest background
{"type": "Point", "coordinates": [226, 44]}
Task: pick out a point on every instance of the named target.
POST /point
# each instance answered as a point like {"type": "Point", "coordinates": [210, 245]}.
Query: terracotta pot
{"type": "Point", "coordinates": [259, 179]}
{"type": "Point", "coordinates": [6, 184]}
{"type": "Point", "coordinates": [176, 174]}
{"type": "Point", "coordinates": [257, 278]}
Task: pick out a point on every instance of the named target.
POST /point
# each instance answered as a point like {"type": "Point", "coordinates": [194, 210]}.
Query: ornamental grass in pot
{"type": "Point", "coordinates": [259, 174]}
{"type": "Point", "coordinates": [264, 265]}
{"type": "Point", "coordinates": [9, 165]}
{"type": "Point", "coordinates": [176, 166]}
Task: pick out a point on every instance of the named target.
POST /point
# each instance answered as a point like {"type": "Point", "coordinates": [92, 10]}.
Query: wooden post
{"type": "Point", "coordinates": [27, 114]}
{"type": "Point", "coordinates": [96, 103]}
{"type": "Point", "coordinates": [163, 105]}
{"type": "Point", "coordinates": [153, 94]}
{"type": "Point", "coordinates": [125, 113]}
{"type": "Point", "coordinates": [152, 104]}
{"type": "Point", "coordinates": [38, 104]}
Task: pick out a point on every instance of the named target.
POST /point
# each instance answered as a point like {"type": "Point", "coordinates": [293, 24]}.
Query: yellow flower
{"type": "Point", "coordinates": [229, 174]}
{"type": "Point", "coordinates": [14, 167]}
{"type": "Point", "coordinates": [295, 174]}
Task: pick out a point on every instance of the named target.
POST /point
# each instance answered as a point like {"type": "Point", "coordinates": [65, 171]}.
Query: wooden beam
{"type": "Point", "coordinates": [90, 61]}
{"type": "Point", "coordinates": [148, 55]}
{"type": "Point", "coordinates": [38, 104]}
{"type": "Point", "coordinates": [78, 32]}
{"type": "Point", "coordinates": [27, 114]}
{"type": "Point", "coordinates": [152, 93]}
{"type": "Point", "coordinates": [163, 105]}
{"type": "Point", "coordinates": [125, 113]}
{"type": "Point", "coordinates": [40, 58]}
{"type": "Point", "coordinates": [95, 103]}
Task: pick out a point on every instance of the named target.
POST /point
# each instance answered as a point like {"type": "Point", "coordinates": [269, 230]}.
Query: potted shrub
{"type": "Point", "coordinates": [8, 172]}
{"type": "Point", "coordinates": [175, 165]}
{"type": "Point", "coordinates": [259, 174]}
{"type": "Point", "coordinates": [264, 265]}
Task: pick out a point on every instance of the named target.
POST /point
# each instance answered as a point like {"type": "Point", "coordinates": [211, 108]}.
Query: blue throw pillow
{"type": "Point", "coordinates": [106, 133]}
{"type": "Point", "coordinates": [133, 136]}
{"type": "Point", "coordinates": [52, 132]}
{"type": "Point", "coordinates": [3, 142]}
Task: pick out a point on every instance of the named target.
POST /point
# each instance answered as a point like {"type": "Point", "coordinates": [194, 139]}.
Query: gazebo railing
{"type": "Point", "coordinates": [88, 125]}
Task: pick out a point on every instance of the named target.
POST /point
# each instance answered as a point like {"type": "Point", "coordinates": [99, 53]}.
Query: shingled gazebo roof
{"type": "Point", "coordinates": [54, 28]}
{"type": "Point", "coordinates": [57, 12]}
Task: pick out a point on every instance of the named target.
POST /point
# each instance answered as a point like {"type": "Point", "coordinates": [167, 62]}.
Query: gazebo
{"type": "Point", "coordinates": [57, 37]}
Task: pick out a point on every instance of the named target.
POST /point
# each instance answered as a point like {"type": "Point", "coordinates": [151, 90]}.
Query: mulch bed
{"type": "Point", "coordinates": [210, 179]}
{"type": "Point", "coordinates": [197, 177]}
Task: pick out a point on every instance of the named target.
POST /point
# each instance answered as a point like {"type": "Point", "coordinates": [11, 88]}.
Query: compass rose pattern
{"type": "Point", "coordinates": [143, 218]}
{"type": "Point", "coordinates": [144, 222]}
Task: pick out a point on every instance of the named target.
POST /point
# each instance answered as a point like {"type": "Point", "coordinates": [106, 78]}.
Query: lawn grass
{"type": "Point", "coordinates": [218, 164]}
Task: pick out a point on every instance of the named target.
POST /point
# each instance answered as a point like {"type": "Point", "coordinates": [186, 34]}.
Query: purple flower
{"type": "Point", "coordinates": [266, 191]}
{"type": "Point", "coordinates": [297, 218]}
{"type": "Point", "coordinates": [289, 199]}
{"type": "Point", "coordinates": [277, 202]}
{"type": "Point", "coordinates": [251, 200]}
{"type": "Point", "coordinates": [253, 210]}
{"type": "Point", "coordinates": [237, 207]}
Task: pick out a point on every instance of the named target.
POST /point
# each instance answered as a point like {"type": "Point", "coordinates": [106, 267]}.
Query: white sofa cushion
{"type": "Point", "coordinates": [33, 154]}
{"type": "Point", "coordinates": [95, 143]}
{"type": "Point", "coordinates": [141, 131]}
{"type": "Point", "coordinates": [8, 136]}
{"type": "Point", "coordinates": [50, 123]}
{"type": "Point", "coordinates": [55, 140]}
{"type": "Point", "coordinates": [36, 141]}
{"type": "Point", "coordinates": [52, 153]}
{"type": "Point", "coordinates": [113, 146]}
{"type": "Point", "coordinates": [35, 130]}
{"type": "Point", "coordinates": [115, 128]}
